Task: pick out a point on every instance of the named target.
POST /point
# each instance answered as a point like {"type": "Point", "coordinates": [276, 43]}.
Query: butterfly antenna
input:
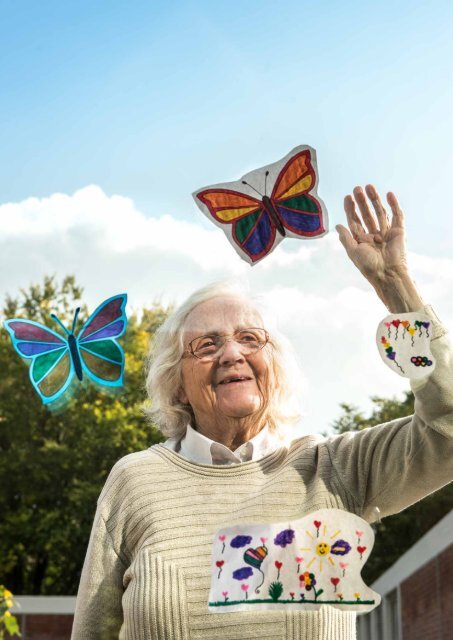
{"type": "Point", "coordinates": [265, 182]}
{"type": "Point", "coordinates": [75, 319]}
{"type": "Point", "coordinates": [54, 317]}
{"type": "Point", "coordinates": [249, 185]}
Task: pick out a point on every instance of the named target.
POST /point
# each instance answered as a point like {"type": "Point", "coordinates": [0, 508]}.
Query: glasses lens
{"type": "Point", "coordinates": [250, 340]}
{"type": "Point", "coordinates": [206, 346]}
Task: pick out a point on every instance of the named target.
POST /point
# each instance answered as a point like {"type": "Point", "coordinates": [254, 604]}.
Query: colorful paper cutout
{"type": "Point", "coordinates": [264, 206]}
{"type": "Point", "coordinates": [56, 361]}
{"type": "Point", "coordinates": [298, 565]}
{"type": "Point", "coordinates": [404, 344]}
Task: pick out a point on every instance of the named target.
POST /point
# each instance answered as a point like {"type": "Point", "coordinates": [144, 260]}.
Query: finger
{"type": "Point", "coordinates": [354, 222]}
{"type": "Point", "coordinates": [367, 215]}
{"type": "Point", "coordinates": [397, 212]}
{"type": "Point", "coordinates": [378, 207]}
{"type": "Point", "coordinates": [346, 239]}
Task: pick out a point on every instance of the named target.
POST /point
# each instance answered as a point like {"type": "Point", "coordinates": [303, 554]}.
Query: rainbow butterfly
{"type": "Point", "coordinates": [56, 359]}
{"type": "Point", "coordinates": [255, 226]}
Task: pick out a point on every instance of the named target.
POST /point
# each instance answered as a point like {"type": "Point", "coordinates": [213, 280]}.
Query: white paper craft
{"type": "Point", "coordinates": [404, 344]}
{"type": "Point", "coordinates": [264, 206]}
{"type": "Point", "coordinates": [298, 565]}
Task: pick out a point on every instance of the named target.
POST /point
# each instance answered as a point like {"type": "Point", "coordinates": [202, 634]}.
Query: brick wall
{"type": "Point", "coordinates": [35, 626]}
{"type": "Point", "coordinates": [426, 600]}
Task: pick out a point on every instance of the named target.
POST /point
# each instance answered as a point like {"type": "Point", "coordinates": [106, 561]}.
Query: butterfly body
{"type": "Point", "coordinates": [255, 226]}
{"type": "Point", "coordinates": [55, 359]}
{"type": "Point", "coordinates": [273, 214]}
{"type": "Point", "coordinates": [72, 343]}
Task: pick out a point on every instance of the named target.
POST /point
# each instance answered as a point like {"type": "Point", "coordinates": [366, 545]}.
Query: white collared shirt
{"type": "Point", "coordinates": [198, 448]}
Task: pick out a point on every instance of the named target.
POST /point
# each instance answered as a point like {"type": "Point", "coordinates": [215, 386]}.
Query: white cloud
{"type": "Point", "coordinates": [321, 301]}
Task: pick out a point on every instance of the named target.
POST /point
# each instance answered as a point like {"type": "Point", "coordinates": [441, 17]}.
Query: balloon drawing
{"type": "Point", "coordinates": [268, 204]}
{"type": "Point", "coordinates": [58, 360]}
{"type": "Point", "coordinates": [255, 557]}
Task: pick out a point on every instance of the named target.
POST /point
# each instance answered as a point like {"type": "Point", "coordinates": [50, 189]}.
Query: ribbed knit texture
{"type": "Point", "coordinates": [147, 571]}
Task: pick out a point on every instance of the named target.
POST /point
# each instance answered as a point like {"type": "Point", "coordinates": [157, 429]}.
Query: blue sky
{"type": "Point", "coordinates": [154, 99]}
{"type": "Point", "coordinates": [148, 101]}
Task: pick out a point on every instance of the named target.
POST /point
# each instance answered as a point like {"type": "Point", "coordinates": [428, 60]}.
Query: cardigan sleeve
{"type": "Point", "coordinates": [393, 465]}
{"type": "Point", "coordinates": [98, 614]}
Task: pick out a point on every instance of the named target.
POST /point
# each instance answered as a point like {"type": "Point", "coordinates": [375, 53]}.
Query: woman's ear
{"type": "Point", "coordinates": [182, 396]}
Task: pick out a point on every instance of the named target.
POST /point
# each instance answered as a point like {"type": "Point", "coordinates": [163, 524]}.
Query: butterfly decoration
{"type": "Point", "coordinates": [256, 225]}
{"type": "Point", "coordinates": [57, 360]}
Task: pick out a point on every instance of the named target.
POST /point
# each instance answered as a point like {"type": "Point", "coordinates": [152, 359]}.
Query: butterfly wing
{"type": "Point", "coordinates": [101, 356]}
{"type": "Point", "coordinates": [51, 367]}
{"type": "Point", "coordinates": [250, 229]}
{"type": "Point", "coordinates": [294, 196]}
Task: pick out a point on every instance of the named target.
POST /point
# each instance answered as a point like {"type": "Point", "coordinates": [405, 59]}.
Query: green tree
{"type": "Point", "coordinates": [395, 534]}
{"type": "Point", "coordinates": [54, 466]}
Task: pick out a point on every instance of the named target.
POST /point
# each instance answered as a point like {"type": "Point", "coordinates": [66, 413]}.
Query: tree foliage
{"type": "Point", "coordinates": [395, 534]}
{"type": "Point", "coordinates": [54, 466]}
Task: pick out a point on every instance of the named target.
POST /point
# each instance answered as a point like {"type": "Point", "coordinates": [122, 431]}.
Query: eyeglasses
{"type": "Point", "coordinates": [208, 347]}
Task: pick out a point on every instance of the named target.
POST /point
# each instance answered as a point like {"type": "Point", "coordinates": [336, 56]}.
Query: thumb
{"type": "Point", "coordinates": [346, 239]}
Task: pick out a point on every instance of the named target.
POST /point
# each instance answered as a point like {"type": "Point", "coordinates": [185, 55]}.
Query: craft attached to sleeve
{"type": "Point", "coordinates": [298, 565]}
{"type": "Point", "coordinates": [404, 344]}
{"type": "Point", "coordinates": [264, 206]}
{"type": "Point", "coordinates": [58, 360]}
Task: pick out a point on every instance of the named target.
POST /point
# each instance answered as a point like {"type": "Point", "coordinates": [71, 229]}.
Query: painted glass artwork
{"type": "Point", "coordinates": [56, 360]}
{"type": "Point", "coordinates": [268, 204]}
{"type": "Point", "coordinates": [298, 565]}
{"type": "Point", "coordinates": [404, 344]}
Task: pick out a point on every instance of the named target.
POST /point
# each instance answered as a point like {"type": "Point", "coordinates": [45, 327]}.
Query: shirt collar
{"type": "Point", "coordinates": [200, 449]}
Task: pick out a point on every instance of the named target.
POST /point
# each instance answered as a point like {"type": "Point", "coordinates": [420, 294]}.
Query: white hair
{"type": "Point", "coordinates": [164, 371]}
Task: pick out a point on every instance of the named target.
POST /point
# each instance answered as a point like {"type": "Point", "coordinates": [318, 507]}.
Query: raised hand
{"type": "Point", "coordinates": [377, 247]}
{"type": "Point", "coordinates": [375, 244]}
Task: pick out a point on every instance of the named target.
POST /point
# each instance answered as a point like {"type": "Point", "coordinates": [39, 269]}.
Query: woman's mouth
{"type": "Point", "coordinates": [234, 379]}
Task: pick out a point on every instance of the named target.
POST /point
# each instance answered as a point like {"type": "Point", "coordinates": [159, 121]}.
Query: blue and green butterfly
{"type": "Point", "coordinates": [56, 360]}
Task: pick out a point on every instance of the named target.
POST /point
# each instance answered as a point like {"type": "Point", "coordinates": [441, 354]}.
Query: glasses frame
{"type": "Point", "coordinates": [190, 352]}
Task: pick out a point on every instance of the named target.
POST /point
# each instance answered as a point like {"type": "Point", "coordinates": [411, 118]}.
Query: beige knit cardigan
{"type": "Point", "coordinates": [147, 570]}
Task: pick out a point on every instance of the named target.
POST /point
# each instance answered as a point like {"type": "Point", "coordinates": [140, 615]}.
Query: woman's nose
{"type": "Point", "coordinates": [231, 352]}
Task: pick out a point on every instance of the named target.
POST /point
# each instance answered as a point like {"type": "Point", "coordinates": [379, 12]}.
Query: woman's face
{"type": "Point", "coordinates": [205, 385]}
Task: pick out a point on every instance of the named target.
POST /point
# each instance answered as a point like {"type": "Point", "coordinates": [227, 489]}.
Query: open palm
{"type": "Point", "coordinates": [375, 244]}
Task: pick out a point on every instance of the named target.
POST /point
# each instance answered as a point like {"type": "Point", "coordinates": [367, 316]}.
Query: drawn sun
{"type": "Point", "coordinates": [325, 545]}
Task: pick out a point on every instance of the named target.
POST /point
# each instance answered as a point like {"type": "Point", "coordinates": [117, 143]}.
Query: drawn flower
{"type": "Point", "coordinates": [317, 524]}
{"type": "Point", "coordinates": [299, 559]}
{"type": "Point", "coordinates": [335, 582]}
{"type": "Point", "coordinates": [219, 564]}
{"type": "Point", "coordinates": [361, 550]}
{"type": "Point", "coordinates": [245, 587]}
{"type": "Point", "coordinates": [284, 538]}
{"type": "Point", "coordinates": [340, 596]}
{"type": "Point", "coordinates": [359, 534]}
{"type": "Point", "coordinates": [357, 596]}
{"type": "Point", "coordinates": [240, 541]}
{"type": "Point", "coordinates": [308, 581]}
{"type": "Point", "coordinates": [343, 566]}
{"type": "Point", "coordinates": [292, 594]}
{"type": "Point", "coordinates": [225, 595]}
{"type": "Point", "coordinates": [222, 540]}
{"type": "Point", "coordinates": [278, 566]}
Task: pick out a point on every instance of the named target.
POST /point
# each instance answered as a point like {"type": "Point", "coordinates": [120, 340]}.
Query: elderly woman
{"type": "Point", "coordinates": [219, 390]}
